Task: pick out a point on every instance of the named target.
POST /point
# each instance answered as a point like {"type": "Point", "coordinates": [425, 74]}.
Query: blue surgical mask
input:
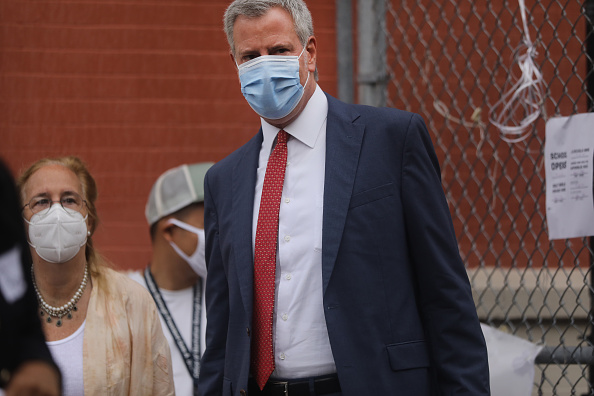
{"type": "Point", "coordinates": [271, 84]}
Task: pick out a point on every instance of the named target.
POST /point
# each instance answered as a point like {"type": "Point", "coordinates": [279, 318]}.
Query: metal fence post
{"type": "Point", "coordinates": [372, 76]}
{"type": "Point", "coordinates": [344, 50]}
{"type": "Point", "coordinates": [589, 13]}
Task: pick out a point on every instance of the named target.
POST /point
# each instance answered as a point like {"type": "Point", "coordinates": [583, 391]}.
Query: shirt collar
{"type": "Point", "coordinates": [307, 126]}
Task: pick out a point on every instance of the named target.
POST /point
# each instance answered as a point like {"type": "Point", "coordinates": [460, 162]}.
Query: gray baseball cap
{"type": "Point", "coordinates": [175, 189]}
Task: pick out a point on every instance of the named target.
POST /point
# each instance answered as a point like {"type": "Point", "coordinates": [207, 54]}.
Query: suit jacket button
{"type": "Point", "coordinates": [242, 392]}
{"type": "Point", "coordinates": [248, 331]}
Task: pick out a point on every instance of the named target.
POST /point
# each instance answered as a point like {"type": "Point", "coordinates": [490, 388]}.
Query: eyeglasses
{"type": "Point", "coordinates": [70, 200]}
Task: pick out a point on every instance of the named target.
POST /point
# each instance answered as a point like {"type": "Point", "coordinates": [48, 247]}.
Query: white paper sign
{"type": "Point", "coordinates": [568, 160]}
{"type": "Point", "coordinates": [511, 363]}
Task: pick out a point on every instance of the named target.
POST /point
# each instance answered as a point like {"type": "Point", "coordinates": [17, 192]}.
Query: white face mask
{"type": "Point", "coordinates": [58, 234]}
{"type": "Point", "coordinates": [197, 260]}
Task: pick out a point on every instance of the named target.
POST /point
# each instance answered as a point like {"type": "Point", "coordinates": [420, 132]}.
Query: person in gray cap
{"type": "Point", "coordinates": [177, 270]}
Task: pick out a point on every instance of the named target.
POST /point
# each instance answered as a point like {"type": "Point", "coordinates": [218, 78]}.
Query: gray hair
{"type": "Point", "coordinates": [256, 8]}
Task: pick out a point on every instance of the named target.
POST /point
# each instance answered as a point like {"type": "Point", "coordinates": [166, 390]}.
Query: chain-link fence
{"type": "Point", "coordinates": [452, 61]}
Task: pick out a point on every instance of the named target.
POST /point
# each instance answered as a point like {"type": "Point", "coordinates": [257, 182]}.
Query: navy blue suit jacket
{"type": "Point", "coordinates": [397, 302]}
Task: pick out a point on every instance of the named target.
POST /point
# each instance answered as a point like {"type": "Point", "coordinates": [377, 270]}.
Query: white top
{"type": "Point", "coordinates": [68, 355]}
{"type": "Point", "coordinates": [179, 304]}
{"type": "Point", "coordinates": [301, 344]}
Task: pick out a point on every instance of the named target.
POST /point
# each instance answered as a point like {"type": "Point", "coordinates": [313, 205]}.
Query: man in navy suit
{"type": "Point", "coordinates": [370, 296]}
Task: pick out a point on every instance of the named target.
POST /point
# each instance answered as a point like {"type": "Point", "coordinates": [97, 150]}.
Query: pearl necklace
{"type": "Point", "coordinates": [64, 310]}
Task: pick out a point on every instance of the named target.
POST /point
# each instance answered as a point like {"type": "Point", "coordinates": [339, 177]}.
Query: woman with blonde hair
{"type": "Point", "coordinates": [102, 328]}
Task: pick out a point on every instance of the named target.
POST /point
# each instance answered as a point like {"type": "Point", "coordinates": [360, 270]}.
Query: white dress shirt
{"type": "Point", "coordinates": [300, 337]}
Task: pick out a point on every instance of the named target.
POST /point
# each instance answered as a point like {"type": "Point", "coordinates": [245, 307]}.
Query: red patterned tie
{"type": "Point", "coordinates": [265, 261]}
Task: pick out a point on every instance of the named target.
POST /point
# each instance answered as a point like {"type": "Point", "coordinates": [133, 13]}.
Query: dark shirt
{"type": "Point", "coordinates": [21, 336]}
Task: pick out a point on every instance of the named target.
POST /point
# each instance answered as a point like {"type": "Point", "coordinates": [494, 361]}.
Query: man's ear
{"type": "Point", "coordinates": [312, 47]}
{"type": "Point", "coordinates": [166, 229]}
{"type": "Point", "coordinates": [232, 58]}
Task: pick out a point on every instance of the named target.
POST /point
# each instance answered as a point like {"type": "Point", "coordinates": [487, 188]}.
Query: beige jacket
{"type": "Point", "coordinates": [124, 351]}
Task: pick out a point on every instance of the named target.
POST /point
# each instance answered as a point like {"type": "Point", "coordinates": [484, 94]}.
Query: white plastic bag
{"type": "Point", "coordinates": [511, 363]}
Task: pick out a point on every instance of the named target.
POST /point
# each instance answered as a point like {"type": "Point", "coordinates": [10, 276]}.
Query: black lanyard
{"type": "Point", "coordinates": [192, 359]}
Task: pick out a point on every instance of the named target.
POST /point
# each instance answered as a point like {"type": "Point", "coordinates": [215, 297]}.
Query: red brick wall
{"type": "Point", "coordinates": [133, 88]}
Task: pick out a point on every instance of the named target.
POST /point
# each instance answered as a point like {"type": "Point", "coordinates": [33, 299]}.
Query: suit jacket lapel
{"type": "Point", "coordinates": [343, 145]}
{"type": "Point", "coordinates": [244, 183]}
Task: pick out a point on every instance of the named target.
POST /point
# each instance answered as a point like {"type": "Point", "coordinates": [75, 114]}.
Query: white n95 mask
{"type": "Point", "coordinates": [58, 234]}
{"type": "Point", "coordinates": [197, 260]}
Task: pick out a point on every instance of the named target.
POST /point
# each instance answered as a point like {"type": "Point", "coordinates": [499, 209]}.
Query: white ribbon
{"type": "Point", "coordinates": [525, 98]}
